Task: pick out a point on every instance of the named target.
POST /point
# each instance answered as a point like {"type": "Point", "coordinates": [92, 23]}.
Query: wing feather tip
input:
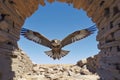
{"type": "Point", "coordinates": [22, 34]}
{"type": "Point", "coordinates": [23, 31]}
{"type": "Point", "coordinates": [92, 29]}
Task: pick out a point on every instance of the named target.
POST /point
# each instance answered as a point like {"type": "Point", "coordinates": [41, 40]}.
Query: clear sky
{"type": "Point", "coordinates": [56, 21]}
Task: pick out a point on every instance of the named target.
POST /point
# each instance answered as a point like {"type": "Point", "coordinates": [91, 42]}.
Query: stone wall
{"type": "Point", "coordinates": [21, 64]}
{"type": "Point", "coordinates": [105, 13]}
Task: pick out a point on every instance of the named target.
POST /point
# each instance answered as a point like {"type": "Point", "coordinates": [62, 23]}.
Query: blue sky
{"type": "Point", "coordinates": [56, 21]}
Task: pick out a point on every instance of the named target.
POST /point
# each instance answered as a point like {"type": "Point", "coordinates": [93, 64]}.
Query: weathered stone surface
{"type": "Point", "coordinates": [50, 1]}
{"type": "Point", "coordinates": [60, 72]}
{"type": "Point", "coordinates": [117, 35]}
{"type": "Point", "coordinates": [111, 66]}
{"type": "Point", "coordinates": [21, 64]}
{"type": "Point", "coordinates": [81, 63]}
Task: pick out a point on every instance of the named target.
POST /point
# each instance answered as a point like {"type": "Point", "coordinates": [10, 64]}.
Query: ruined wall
{"type": "Point", "coordinates": [105, 13]}
{"type": "Point", "coordinates": [13, 62]}
{"type": "Point", "coordinates": [21, 64]}
{"type": "Point", "coordinates": [107, 17]}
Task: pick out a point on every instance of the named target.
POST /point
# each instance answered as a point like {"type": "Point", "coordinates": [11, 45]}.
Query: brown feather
{"type": "Point", "coordinates": [77, 35]}
{"type": "Point", "coordinates": [36, 37]}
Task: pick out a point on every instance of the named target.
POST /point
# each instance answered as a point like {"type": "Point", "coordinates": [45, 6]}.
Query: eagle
{"type": "Point", "coordinates": [56, 45]}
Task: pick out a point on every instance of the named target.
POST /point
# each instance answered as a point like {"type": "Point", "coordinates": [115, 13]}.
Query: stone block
{"type": "Point", "coordinates": [91, 9]}
{"type": "Point", "coordinates": [4, 25]}
{"type": "Point", "coordinates": [14, 16]}
{"type": "Point", "coordinates": [117, 35]}
{"type": "Point", "coordinates": [108, 3]}
{"type": "Point", "coordinates": [81, 63]}
{"type": "Point", "coordinates": [61, 0]}
{"type": "Point", "coordinates": [42, 2]}
{"type": "Point", "coordinates": [111, 65]}
{"type": "Point", "coordinates": [50, 1]}
{"type": "Point", "coordinates": [10, 6]}
{"type": "Point", "coordinates": [5, 67]}
{"type": "Point", "coordinates": [108, 45]}
{"type": "Point", "coordinates": [106, 75]}
{"type": "Point", "coordinates": [107, 32]}
{"type": "Point", "coordinates": [113, 50]}
{"type": "Point", "coordinates": [30, 9]}
{"type": "Point", "coordinates": [114, 9]}
{"type": "Point", "coordinates": [86, 4]}
{"type": "Point", "coordinates": [99, 12]}
{"type": "Point", "coordinates": [102, 30]}
{"type": "Point", "coordinates": [21, 8]}
{"type": "Point", "coordinates": [3, 37]}
{"type": "Point", "coordinates": [78, 3]}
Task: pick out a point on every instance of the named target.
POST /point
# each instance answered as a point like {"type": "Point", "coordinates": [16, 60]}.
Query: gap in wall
{"type": "Point", "coordinates": [56, 21]}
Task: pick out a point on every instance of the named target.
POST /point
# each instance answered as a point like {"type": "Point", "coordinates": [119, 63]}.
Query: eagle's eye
{"type": "Point", "coordinates": [54, 41]}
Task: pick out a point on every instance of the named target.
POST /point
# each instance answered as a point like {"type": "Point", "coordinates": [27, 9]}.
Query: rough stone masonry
{"type": "Point", "coordinates": [105, 13]}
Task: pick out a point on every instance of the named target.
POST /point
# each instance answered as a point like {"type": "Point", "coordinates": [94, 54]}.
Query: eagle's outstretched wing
{"type": "Point", "coordinates": [36, 37]}
{"type": "Point", "coordinates": [78, 35]}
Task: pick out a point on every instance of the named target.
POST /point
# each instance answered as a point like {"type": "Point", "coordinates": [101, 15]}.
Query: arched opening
{"type": "Point", "coordinates": [56, 21]}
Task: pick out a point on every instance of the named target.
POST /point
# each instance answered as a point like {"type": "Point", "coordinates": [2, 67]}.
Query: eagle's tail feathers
{"type": "Point", "coordinates": [64, 53]}
{"type": "Point", "coordinates": [49, 53]}
{"type": "Point", "coordinates": [57, 55]}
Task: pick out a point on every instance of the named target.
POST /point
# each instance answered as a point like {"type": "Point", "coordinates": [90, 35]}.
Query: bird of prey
{"type": "Point", "coordinates": [55, 45]}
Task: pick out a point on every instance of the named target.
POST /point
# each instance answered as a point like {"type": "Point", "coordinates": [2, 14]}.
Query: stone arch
{"type": "Point", "coordinates": [105, 13]}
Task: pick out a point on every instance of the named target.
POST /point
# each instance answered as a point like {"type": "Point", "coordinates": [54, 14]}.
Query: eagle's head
{"type": "Point", "coordinates": [55, 42]}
